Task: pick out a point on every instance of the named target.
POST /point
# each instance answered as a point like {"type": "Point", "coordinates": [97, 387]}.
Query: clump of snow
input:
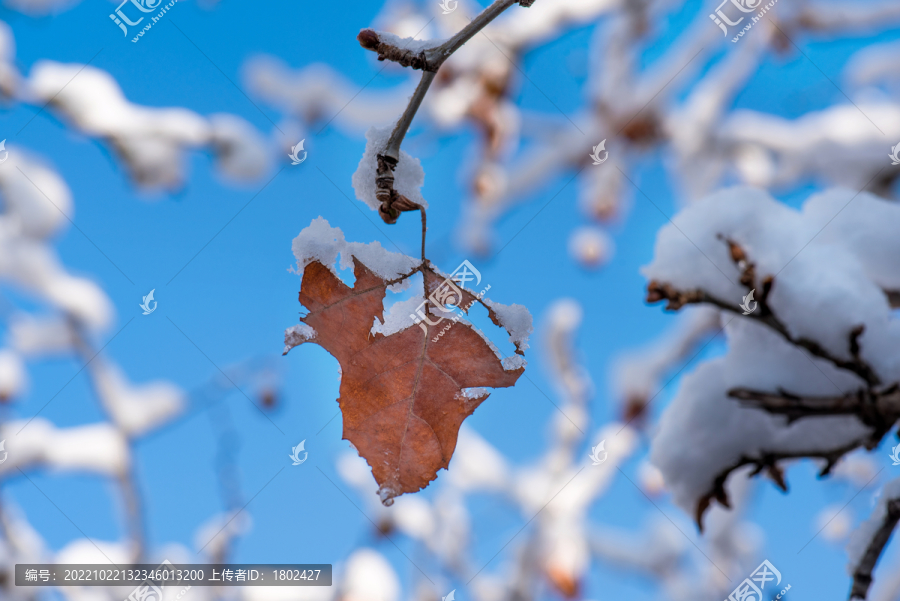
{"type": "Point", "coordinates": [368, 576]}
{"type": "Point", "coordinates": [151, 141]}
{"type": "Point", "coordinates": [26, 223]}
{"type": "Point", "coordinates": [323, 243]}
{"type": "Point", "coordinates": [821, 290]}
{"type": "Point", "coordinates": [86, 550]}
{"type": "Point", "coordinates": [12, 374]}
{"type": "Point", "coordinates": [411, 44]}
{"type": "Point", "coordinates": [240, 149]}
{"type": "Point", "coordinates": [865, 225]}
{"type": "Point", "coordinates": [42, 335]}
{"type": "Point", "coordinates": [297, 335]}
{"type": "Point", "coordinates": [409, 177]}
{"type": "Point", "coordinates": [474, 393]}
{"type": "Point", "coordinates": [98, 448]}
{"type": "Point", "coordinates": [136, 409]}
{"type": "Point", "coordinates": [398, 316]}
{"type": "Point", "coordinates": [514, 362]}
{"type": "Point", "coordinates": [862, 536]}
{"type": "Point", "coordinates": [516, 320]}
{"type": "Point", "coordinates": [26, 201]}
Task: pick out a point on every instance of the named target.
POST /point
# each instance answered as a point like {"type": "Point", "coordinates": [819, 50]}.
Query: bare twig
{"type": "Point", "coordinates": [862, 575]}
{"type": "Point", "coordinates": [893, 297]}
{"type": "Point", "coordinates": [429, 59]}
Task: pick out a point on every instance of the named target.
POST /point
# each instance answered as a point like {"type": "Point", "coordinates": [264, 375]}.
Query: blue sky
{"type": "Point", "coordinates": [234, 298]}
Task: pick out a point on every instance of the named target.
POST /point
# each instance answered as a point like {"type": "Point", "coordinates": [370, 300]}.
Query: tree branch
{"type": "Point", "coordinates": [659, 291]}
{"type": "Point", "coordinates": [768, 461]}
{"type": "Point", "coordinates": [877, 409]}
{"type": "Point", "coordinates": [862, 576]}
{"type": "Point", "coordinates": [428, 59]}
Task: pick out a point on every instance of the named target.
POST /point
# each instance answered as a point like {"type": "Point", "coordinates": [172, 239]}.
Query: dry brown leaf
{"type": "Point", "coordinates": [402, 396]}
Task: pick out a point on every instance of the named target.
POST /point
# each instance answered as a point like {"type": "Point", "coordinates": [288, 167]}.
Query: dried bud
{"type": "Point", "coordinates": [737, 253]}
{"type": "Point", "coordinates": [368, 39]}
{"type": "Point", "coordinates": [268, 398]}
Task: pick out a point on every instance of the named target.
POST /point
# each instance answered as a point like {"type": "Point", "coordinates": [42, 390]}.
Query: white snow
{"type": "Point", "coordinates": [398, 316]}
{"type": "Point", "coordinates": [703, 432]}
{"type": "Point", "coordinates": [411, 44]}
{"type": "Point", "coordinates": [297, 335]}
{"type": "Point", "coordinates": [321, 242]}
{"type": "Point", "coordinates": [409, 177]}
{"type": "Point", "coordinates": [136, 409]}
{"type": "Point", "coordinates": [12, 374]}
{"type": "Point", "coordinates": [474, 393]}
{"type": "Point", "coordinates": [821, 291]}
{"type": "Point", "coordinates": [38, 335]}
{"type": "Point", "coordinates": [863, 224]}
{"type": "Point", "coordinates": [152, 141]}
{"type": "Point", "coordinates": [99, 448]}
{"type": "Point", "coordinates": [27, 222]}
{"type": "Point", "coordinates": [514, 362]}
{"type": "Point", "coordinates": [368, 576]}
{"type": "Point", "coordinates": [515, 319]}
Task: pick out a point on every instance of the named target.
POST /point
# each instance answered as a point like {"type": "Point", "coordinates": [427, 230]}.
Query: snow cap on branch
{"type": "Point", "coordinates": [409, 177]}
